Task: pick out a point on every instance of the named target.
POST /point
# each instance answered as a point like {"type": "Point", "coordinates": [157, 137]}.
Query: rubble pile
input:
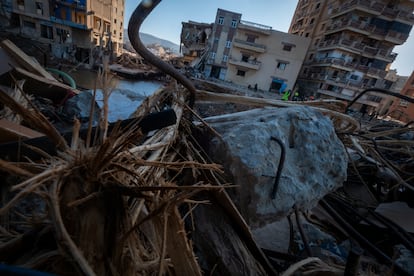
{"type": "Point", "coordinates": [281, 187]}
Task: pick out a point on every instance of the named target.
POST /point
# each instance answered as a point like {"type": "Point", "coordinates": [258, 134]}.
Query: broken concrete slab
{"type": "Point", "coordinates": [315, 163]}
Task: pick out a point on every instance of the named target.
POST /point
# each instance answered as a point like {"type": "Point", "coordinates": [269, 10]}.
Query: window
{"type": "Point", "coordinates": [245, 58]}
{"type": "Point", "coordinates": [317, 6]}
{"type": "Point", "coordinates": [213, 55]}
{"type": "Point", "coordinates": [228, 44]}
{"type": "Point", "coordinates": [316, 42]}
{"type": "Point", "coordinates": [287, 47]}
{"type": "Point", "coordinates": [46, 31]}
{"type": "Point", "coordinates": [281, 65]}
{"type": "Point", "coordinates": [221, 20]}
{"type": "Point", "coordinates": [115, 21]}
{"type": "Point", "coordinates": [234, 23]}
{"type": "Point", "coordinates": [354, 77]}
{"type": "Point", "coordinates": [39, 8]}
{"type": "Point", "coordinates": [251, 38]}
{"type": "Point", "coordinates": [225, 58]}
{"type": "Point", "coordinates": [241, 73]}
{"type": "Point", "coordinates": [307, 34]}
{"type": "Point", "coordinates": [310, 56]}
{"type": "Point", "coordinates": [323, 27]}
{"type": "Point", "coordinates": [29, 24]}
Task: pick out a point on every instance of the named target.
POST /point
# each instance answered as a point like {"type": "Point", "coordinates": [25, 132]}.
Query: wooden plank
{"type": "Point", "coordinates": [43, 87]}
{"type": "Point", "coordinates": [10, 131]}
{"type": "Point", "coordinates": [24, 60]}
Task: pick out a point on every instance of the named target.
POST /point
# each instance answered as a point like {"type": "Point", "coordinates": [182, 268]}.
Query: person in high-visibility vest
{"type": "Point", "coordinates": [296, 96]}
{"type": "Point", "coordinates": [286, 95]}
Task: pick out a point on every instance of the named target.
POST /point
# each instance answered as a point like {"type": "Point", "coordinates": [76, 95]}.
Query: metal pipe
{"type": "Point", "coordinates": [135, 22]}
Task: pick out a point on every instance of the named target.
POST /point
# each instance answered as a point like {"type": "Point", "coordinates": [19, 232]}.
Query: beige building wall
{"type": "Point", "coordinates": [272, 61]}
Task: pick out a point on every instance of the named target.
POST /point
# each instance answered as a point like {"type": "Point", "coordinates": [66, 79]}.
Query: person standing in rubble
{"type": "Point", "coordinates": [296, 96]}
{"type": "Point", "coordinates": [286, 95]}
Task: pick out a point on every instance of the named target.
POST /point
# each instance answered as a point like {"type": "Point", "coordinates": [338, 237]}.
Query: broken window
{"type": "Point", "coordinates": [221, 20]}
{"type": "Point", "coordinates": [241, 73]}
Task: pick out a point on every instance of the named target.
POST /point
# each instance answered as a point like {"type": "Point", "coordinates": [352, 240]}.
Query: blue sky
{"type": "Point", "coordinates": [165, 20]}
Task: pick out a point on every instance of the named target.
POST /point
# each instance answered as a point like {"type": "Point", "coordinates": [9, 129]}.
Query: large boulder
{"type": "Point", "coordinates": [315, 163]}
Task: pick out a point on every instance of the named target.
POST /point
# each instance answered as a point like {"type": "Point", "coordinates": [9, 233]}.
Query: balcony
{"type": "Point", "coordinates": [385, 55]}
{"type": "Point", "coordinates": [255, 47]}
{"type": "Point", "coordinates": [405, 17]}
{"type": "Point", "coordinates": [255, 27]}
{"type": "Point", "coordinates": [254, 65]}
{"type": "Point", "coordinates": [68, 23]}
{"type": "Point", "coordinates": [364, 5]}
{"type": "Point", "coordinates": [353, 25]}
{"type": "Point", "coordinates": [78, 5]}
{"type": "Point", "coordinates": [398, 15]}
{"type": "Point", "coordinates": [376, 73]}
{"type": "Point", "coordinates": [396, 37]}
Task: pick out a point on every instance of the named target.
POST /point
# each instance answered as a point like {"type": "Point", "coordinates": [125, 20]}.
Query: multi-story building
{"type": "Point", "coordinates": [224, 29]}
{"type": "Point", "coordinates": [252, 54]}
{"type": "Point", "coordinates": [352, 45]}
{"type": "Point", "coordinates": [400, 109]}
{"type": "Point", "coordinates": [74, 28]}
{"type": "Point", "coordinates": [264, 58]}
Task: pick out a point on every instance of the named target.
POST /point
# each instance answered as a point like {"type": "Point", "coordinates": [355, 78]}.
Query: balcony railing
{"type": "Point", "coordinates": [374, 7]}
{"type": "Point", "coordinates": [251, 64]}
{"type": "Point", "coordinates": [260, 48]}
{"type": "Point", "coordinates": [255, 27]}
{"type": "Point", "coordinates": [396, 37]}
{"type": "Point", "coordinates": [368, 29]}
{"type": "Point", "coordinates": [370, 6]}
{"type": "Point", "coordinates": [357, 46]}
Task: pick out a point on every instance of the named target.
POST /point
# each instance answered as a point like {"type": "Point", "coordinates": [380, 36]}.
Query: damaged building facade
{"type": "Point", "coordinates": [249, 54]}
{"type": "Point", "coordinates": [400, 109]}
{"type": "Point", "coordinates": [352, 46]}
{"type": "Point", "coordinates": [194, 38]}
{"type": "Point", "coordinates": [74, 29]}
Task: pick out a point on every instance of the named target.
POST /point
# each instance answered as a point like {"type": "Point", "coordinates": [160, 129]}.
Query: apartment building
{"type": "Point", "coordinates": [352, 45]}
{"type": "Point", "coordinates": [400, 109]}
{"type": "Point", "coordinates": [74, 28]}
{"type": "Point", "coordinates": [252, 54]}
{"type": "Point", "coordinates": [265, 59]}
